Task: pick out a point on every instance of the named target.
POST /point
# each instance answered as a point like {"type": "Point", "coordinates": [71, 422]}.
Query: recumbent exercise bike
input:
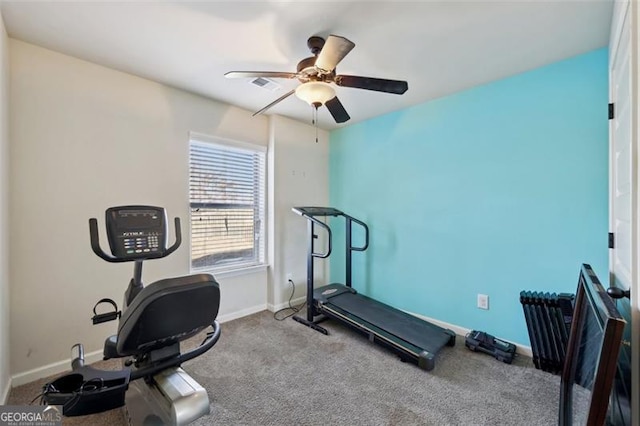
{"type": "Point", "coordinates": [154, 320]}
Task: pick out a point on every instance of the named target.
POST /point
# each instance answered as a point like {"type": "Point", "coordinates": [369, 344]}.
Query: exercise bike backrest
{"type": "Point", "coordinates": [167, 311]}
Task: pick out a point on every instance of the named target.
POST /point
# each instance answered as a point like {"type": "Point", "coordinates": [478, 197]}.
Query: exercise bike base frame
{"type": "Point", "coordinates": [87, 390]}
{"type": "Point", "coordinates": [171, 397]}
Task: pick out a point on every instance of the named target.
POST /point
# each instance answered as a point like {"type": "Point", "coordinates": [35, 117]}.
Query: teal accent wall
{"type": "Point", "coordinates": [493, 190]}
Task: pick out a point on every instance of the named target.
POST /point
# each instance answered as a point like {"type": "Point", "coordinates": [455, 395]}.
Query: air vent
{"type": "Point", "coordinates": [265, 83]}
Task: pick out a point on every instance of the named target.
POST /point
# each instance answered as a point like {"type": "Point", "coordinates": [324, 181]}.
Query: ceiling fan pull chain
{"type": "Point", "coordinates": [315, 121]}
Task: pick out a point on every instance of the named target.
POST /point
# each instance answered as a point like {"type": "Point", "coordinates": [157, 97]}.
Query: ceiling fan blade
{"type": "Point", "coordinates": [337, 111]}
{"type": "Point", "coordinates": [267, 74]}
{"type": "Point", "coordinates": [334, 50]}
{"type": "Point", "coordinates": [369, 83]}
{"type": "Point", "coordinates": [281, 98]}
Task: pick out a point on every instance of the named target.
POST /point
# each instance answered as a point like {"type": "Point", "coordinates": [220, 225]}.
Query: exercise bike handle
{"type": "Point", "coordinates": [95, 244]}
{"type": "Point", "coordinates": [176, 244]}
{"type": "Point", "coordinates": [212, 338]}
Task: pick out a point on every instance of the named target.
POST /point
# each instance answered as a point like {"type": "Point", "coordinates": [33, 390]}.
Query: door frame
{"type": "Point", "coordinates": [630, 11]}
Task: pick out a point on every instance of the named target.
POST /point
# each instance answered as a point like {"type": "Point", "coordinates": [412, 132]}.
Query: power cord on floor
{"type": "Point", "coordinates": [294, 309]}
{"type": "Point", "coordinates": [46, 390]}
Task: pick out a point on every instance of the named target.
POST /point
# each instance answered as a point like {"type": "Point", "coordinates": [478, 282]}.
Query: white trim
{"type": "Point", "coordinates": [5, 393]}
{"type": "Point", "coordinates": [461, 331]}
{"type": "Point", "coordinates": [231, 272]}
{"type": "Point", "coordinates": [620, 10]}
{"type": "Point", "coordinates": [626, 12]}
{"type": "Point", "coordinates": [226, 143]}
{"type": "Point", "coordinates": [242, 313]}
{"type": "Point", "coordinates": [51, 369]}
{"type": "Point", "coordinates": [62, 366]}
{"type": "Point", "coordinates": [65, 365]}
{"type": "Point", "coordinates": [294, 302]}
{"type": "Point", "coordinates": [634, 11]}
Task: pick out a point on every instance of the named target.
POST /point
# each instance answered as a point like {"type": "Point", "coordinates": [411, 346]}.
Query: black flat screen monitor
{"type": "Point", "coordinates": [592, 354]}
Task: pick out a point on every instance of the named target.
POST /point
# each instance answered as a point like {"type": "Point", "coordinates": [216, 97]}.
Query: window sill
{"type": "Point", "coordinates": [232, 272]}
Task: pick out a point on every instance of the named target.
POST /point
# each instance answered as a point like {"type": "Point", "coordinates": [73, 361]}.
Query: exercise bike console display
{"type": "Point", "coordinates": [136, 231]}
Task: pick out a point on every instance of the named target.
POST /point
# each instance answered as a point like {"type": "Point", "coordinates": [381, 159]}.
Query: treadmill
{"type": "Point", "coordinates": [412, 338]}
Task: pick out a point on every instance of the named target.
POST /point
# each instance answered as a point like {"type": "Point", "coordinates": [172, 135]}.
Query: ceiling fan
{"type": "Point", "coordinates": [318, 71]}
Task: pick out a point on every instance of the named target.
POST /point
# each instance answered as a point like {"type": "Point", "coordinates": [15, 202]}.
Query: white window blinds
{"type": "Point", "coordinates": [226, 191]}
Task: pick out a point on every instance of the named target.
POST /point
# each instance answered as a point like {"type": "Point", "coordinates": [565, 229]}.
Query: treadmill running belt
{"type": "Point", "coordinates": [405, 326]}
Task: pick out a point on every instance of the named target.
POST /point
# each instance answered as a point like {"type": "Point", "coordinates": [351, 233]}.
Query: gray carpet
{"type": "Point", "coordinates": [266, 372]}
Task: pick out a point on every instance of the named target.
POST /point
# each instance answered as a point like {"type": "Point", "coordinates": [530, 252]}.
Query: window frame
{"type": "Point", "coordinates": [237, 268]}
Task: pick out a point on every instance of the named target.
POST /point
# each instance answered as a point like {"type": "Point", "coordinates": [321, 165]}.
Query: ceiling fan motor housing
{"type": "Point", "coordinates": [308, 71]}
{"type": "Point", "coordinates": [307, 65]}
{"type": "Point", "coordinates": [315, 44]}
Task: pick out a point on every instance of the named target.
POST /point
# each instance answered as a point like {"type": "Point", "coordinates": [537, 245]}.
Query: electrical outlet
{"type": "Point", "coordinates": [289, 277]}
{"type": "Point", "coordinates": [483, 301]}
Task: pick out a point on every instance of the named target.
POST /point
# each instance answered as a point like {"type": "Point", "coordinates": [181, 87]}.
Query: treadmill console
{"type": "Point", "coordinates": [137, 232]}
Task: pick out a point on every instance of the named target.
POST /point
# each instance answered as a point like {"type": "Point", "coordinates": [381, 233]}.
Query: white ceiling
{"type": "Point", "coordinates": [438, 47]}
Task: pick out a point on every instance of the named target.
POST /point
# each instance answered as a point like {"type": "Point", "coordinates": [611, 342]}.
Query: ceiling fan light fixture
{"type": "Point", "coordinates": [315, 92]}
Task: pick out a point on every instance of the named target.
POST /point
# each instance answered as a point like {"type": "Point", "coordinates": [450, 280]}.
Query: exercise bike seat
{"type": "Point", "coordinates": [165, 313]}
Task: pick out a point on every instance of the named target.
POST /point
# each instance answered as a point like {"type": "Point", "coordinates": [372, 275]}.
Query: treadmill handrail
{"type": "Point", "coordinates": [366, 233]}
{"type": "Point", "coordinates": [326, 227]}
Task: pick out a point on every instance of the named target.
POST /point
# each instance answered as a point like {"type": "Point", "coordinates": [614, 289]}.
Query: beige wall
{"type": "Point", "coordinates": [83, 138]}
{"type": "Point", "coordinates": [4, 213]}
{"type": "Point", "coordinates": [300, 178]}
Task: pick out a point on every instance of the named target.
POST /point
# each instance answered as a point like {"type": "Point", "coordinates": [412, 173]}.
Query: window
{"type": "Point", "coordinates": [226, 196]}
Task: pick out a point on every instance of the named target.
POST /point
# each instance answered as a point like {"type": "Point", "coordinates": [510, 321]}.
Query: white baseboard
{"type": "Point", "coordinates": [294, 302]}
{"type": "Point", "coordinates": [65, 365]}
{"type": "Point", "coordinates": [461, 331]}
{"type": "Point", "coordinates": [520, 349]}
{"type": "Point", "coordinates": [4, 398]}
{"type": "Point", "coordinates": [51, 369]}
{"type": "Point", "coordinates": [242, 313]}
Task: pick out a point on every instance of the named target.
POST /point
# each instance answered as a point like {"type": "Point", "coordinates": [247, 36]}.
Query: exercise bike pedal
{"type": "Point", "coordinates": [106, 316]}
